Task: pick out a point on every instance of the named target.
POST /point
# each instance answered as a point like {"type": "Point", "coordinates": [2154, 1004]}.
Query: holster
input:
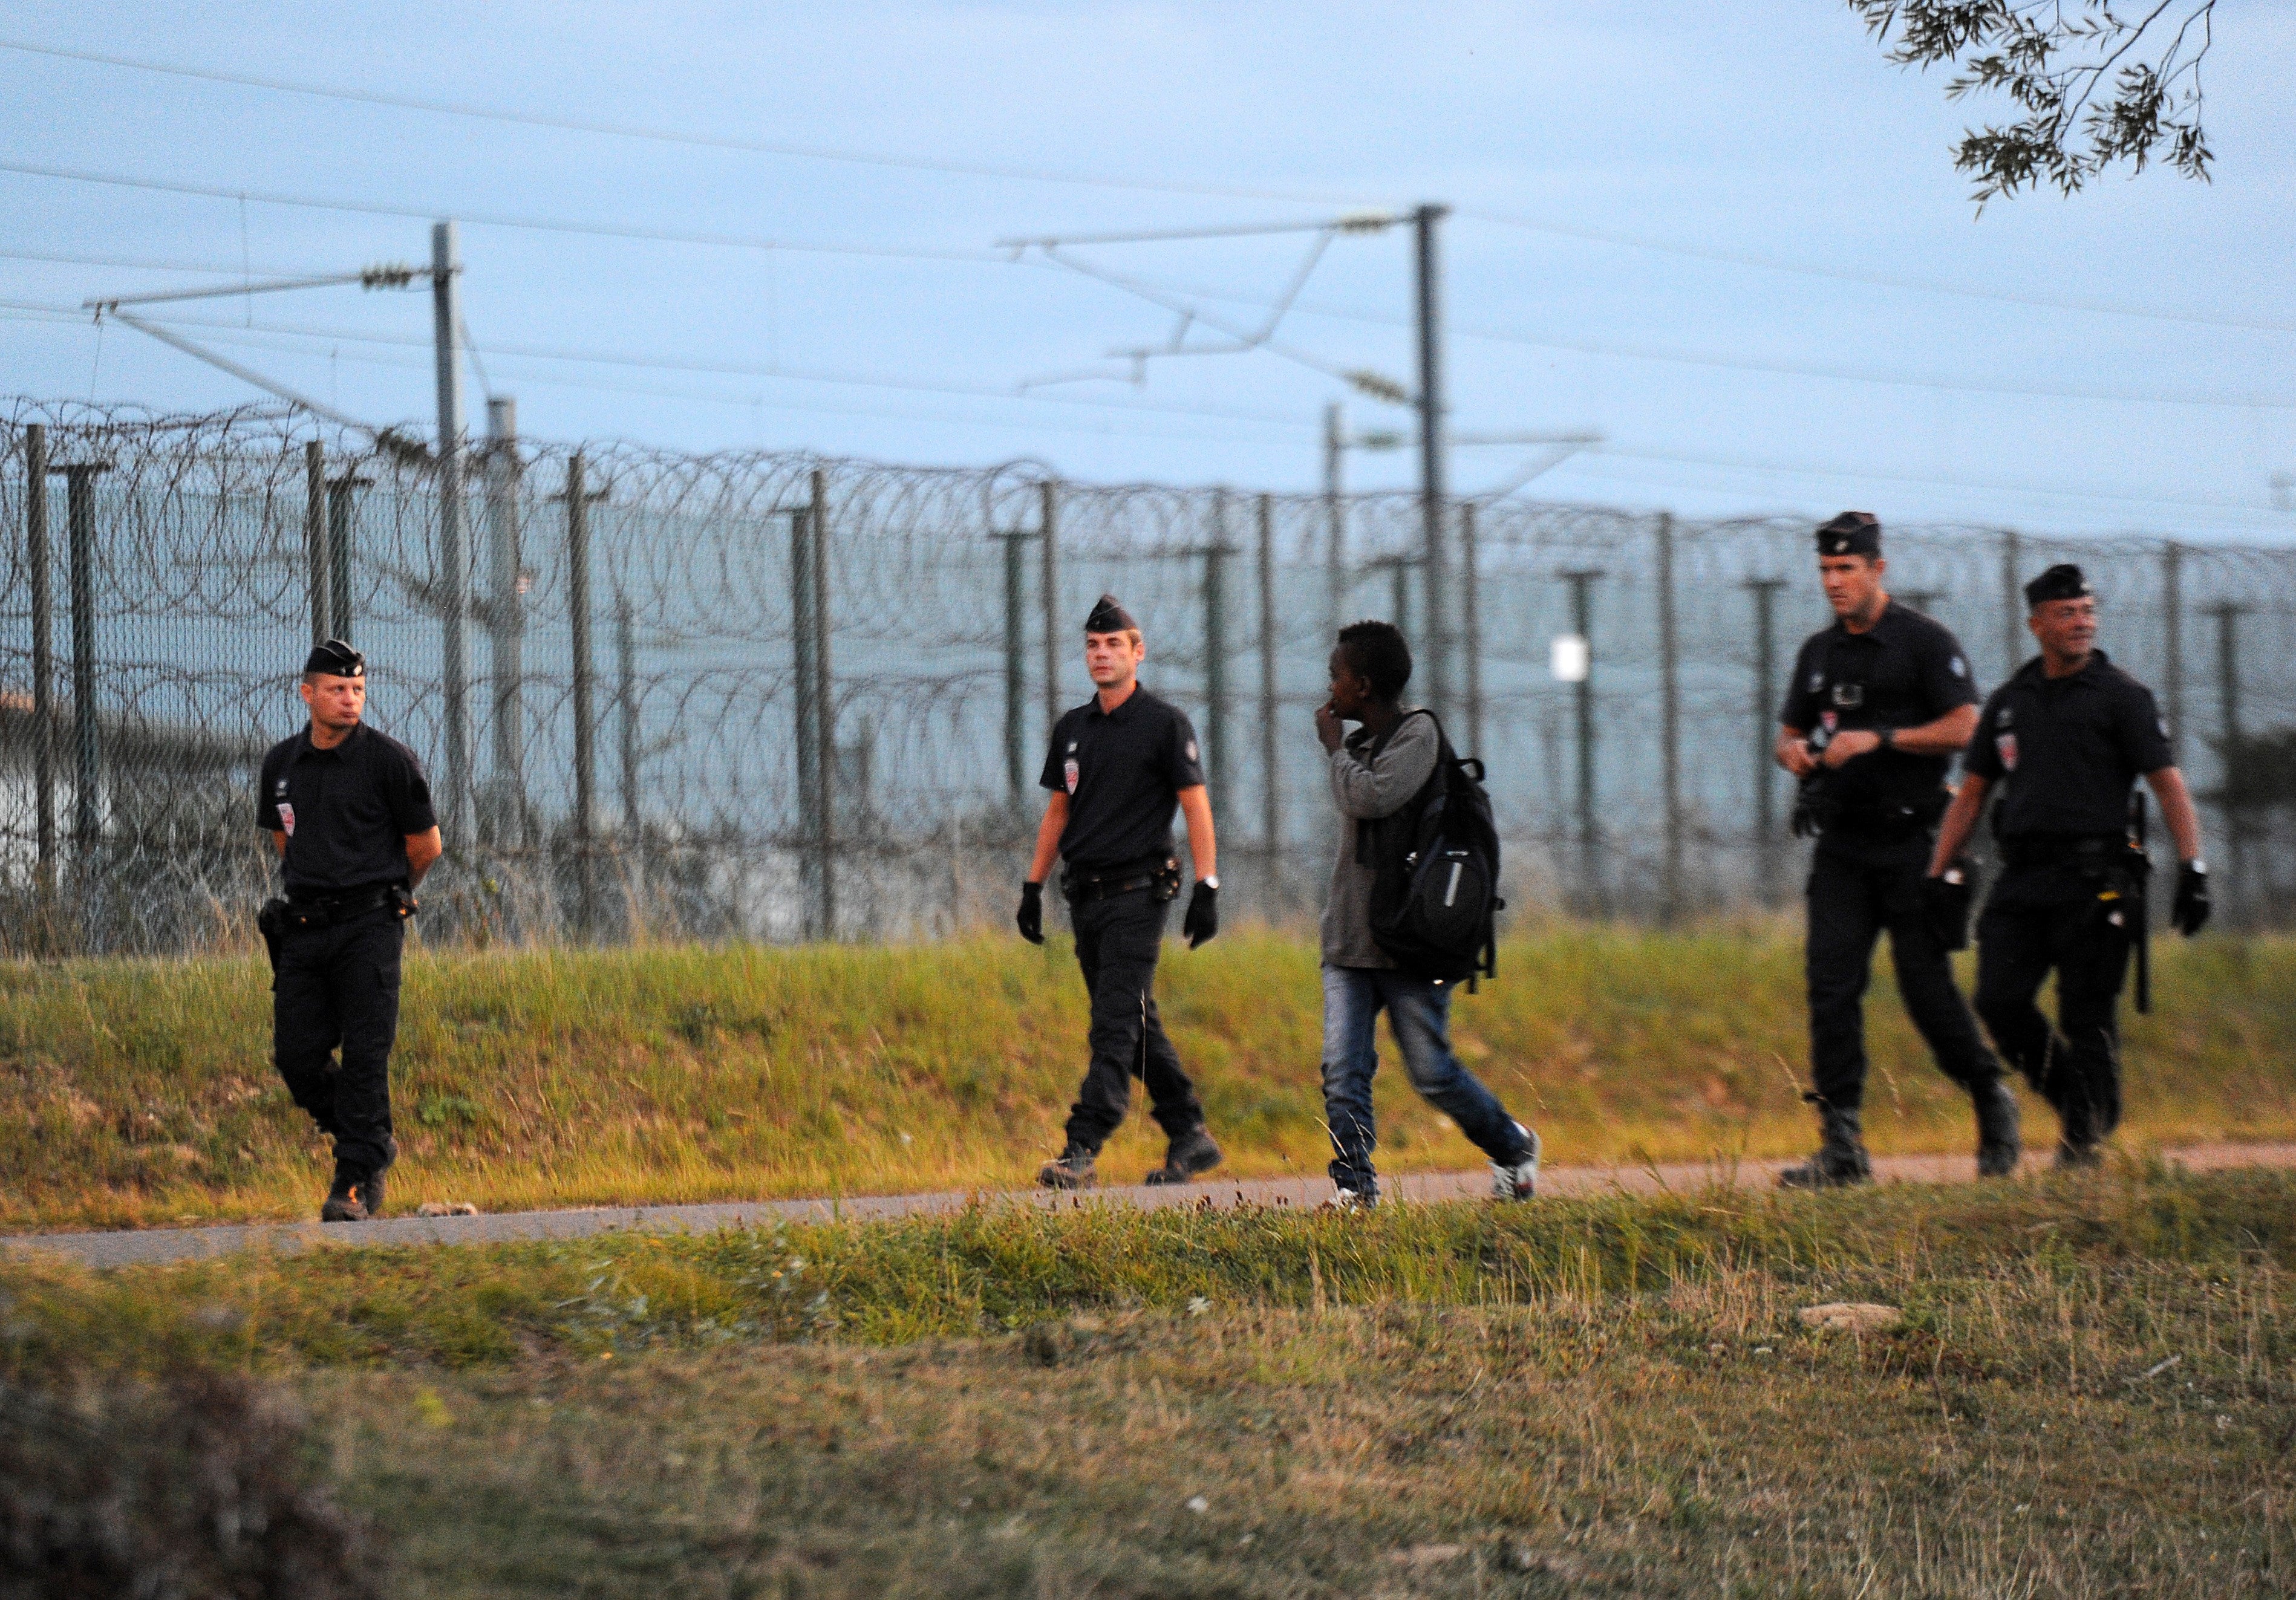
{"type": "Point", "coordinates": [271, 922]}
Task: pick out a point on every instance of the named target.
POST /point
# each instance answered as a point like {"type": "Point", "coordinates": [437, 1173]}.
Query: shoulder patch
{"type": "Point", "coordinates": [1960, 667]}
{"type": "Point", "coordinates": [1191, 749]}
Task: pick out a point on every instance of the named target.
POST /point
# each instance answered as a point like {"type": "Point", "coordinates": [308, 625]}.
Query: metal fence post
{"type": "Point", "coordinates": [314, 536]}
{"type": "Point", "coordinates": [1048, 529]}
{"type": "Point", "coordinates": [1218, 765]}
{"type": "Point", "coordinates": [1470, 623]}
{"type": "Point", "coordinates": [826, 706]}
{"type": "Point", "coordinates": [2231, 756]}
{"type": "Point", "coordinates": [804, 713]}
{"type": "Point", "coordinates": [451, 587]}
{"type": "Point", "coordinates": [1765, 782]}
{"type": "Point", "coordinates": [1582, 622]}
{"type": "Point", "coordinates": [505, 616]}
{"type": "Point", "coordinates": [1016, 623]}
{"type": "Point", "coordinates": [44, 660]}
{"type": "Point", "coordinates": [1669, 676]}
{"type": "Point", "coordinates": [626, 697]}
{"type": "Point", "coordinates": [340, 506]}
{"type": "Point", "coordinates": [2013, 609]}
{"type": "Point", "coordinates": [2172, 642]}
{"type": "Point", "coordinates": [1271, 786]}
{"type": "Point", "coordinates": [586, 704]}
{"type": "Point", "coordinates": [80, 511]}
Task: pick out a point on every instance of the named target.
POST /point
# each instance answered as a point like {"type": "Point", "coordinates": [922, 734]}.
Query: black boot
{"type": "Point", "coordinates": [1997, 1144]}
{"type": "Point", "coordinates": [1840, 1159]}
{"type": "Point", "coordinates": [347, 1199]}
{"type": "Point", "coordinates": [1070, 1170]}
{"type": "Point", "coordinates": [1191, 1152]}
{"type": "Point", "coordinates": [2079, 1142]}
{"type": "Point", "coordinates": [356, 1194]}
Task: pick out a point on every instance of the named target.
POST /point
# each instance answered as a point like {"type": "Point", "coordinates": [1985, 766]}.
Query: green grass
{"type": "Point", "coordinates": [2093, 1394]}
{"type": "Point", "coordinates": [140, 1093]}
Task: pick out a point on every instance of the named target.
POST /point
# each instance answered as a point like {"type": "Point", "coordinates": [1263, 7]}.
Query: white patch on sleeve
{"type": "Point", "coordinates": [287, 818]}
{"type": "Point", "coordinates": [1960, 667]}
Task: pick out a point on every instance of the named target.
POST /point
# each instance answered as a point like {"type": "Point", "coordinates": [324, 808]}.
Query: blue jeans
{"type": "Point", "coordinates": [1420, 1012]}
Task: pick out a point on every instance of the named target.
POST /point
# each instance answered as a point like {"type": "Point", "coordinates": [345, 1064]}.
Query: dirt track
{"type": "Point", "coordinates": [156, 1246]}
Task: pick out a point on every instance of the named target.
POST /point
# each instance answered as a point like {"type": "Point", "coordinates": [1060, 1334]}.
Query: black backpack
{"type": "Point", "coordinates": [1434, 901]}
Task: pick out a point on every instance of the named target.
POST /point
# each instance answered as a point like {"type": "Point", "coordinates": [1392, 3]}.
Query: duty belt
{"type": "Point", "coordinates": [2050, 849]}
{"type": "Point", "coordinates": [1079, 888]}
{"type": "Point", "coordinates": [325, 910]}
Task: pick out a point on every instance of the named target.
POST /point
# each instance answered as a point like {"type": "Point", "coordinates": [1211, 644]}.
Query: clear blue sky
{"type": "Point", "coordinates": [1770, 132]}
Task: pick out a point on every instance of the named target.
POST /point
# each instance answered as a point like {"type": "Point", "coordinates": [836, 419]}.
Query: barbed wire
{"type": "Point", "coordinates": [197, 589]}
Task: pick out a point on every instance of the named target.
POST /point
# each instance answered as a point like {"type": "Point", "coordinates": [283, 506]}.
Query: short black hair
{"type": "Point", "coordinates": [1377, 652]}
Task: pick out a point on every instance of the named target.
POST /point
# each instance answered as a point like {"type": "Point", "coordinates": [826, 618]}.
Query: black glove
{"type": "Point", "coordinates": [1032, 915]}
{"type": "Point", "coordinates": [1945, 901]}
{"type": "Point", "coordinates": [2190, 914]}
{"type": "Point", "coordinates": [1202, 923]}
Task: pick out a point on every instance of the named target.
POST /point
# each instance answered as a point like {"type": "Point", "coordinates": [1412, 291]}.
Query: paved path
{"type": "Point", "coordinates": [160, 1245]}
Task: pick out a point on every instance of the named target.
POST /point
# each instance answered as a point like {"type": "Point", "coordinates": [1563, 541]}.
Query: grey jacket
{"type": "Point", "coordinates": [1365, 790]}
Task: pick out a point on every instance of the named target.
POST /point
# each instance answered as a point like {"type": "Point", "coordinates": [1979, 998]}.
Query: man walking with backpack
{"type": "Point", "coordinates": [1396, 886]}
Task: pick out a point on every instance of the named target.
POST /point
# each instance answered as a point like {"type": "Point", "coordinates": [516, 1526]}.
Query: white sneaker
{"type": "Point", "coordinates": [1348, 1200]}
{"type": "Point", "coordinates": [1521, 1180]}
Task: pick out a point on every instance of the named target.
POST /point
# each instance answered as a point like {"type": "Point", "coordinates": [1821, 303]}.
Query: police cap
{"type": "Point", "coordinates": [2061, 582]}
{"type": "Point", "coordinates": [1109, 617]}
{"type": "Point", "coordinates": [336, 659]}
{"type": "Point", "coordinates": [1851, 533]}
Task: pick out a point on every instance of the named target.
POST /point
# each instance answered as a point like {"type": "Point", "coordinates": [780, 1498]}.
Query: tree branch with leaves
{"type": "Point", "coordinates": [2095, 85]}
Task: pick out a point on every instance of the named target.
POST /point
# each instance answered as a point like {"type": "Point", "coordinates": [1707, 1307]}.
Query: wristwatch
{"type": "Point", "coordinates": [1888, 738]}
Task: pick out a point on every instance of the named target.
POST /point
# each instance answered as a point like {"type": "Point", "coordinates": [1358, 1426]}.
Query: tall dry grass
{"type": "Point", "coordinates": [137, 1092]}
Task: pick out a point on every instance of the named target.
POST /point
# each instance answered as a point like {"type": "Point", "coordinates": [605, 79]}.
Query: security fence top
{"type": "Point", "coordinates": [673, 663]}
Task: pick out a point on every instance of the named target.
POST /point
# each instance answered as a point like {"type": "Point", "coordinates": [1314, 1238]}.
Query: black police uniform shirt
{"type": "Point", "coordinates": [345, 812]}
{"type": "Point", "coordinates": [1907, 669]}
{"type": "Point", "coordinates": [1122, 772]}
{"type": "Point", "coordinates": [2064, 752]}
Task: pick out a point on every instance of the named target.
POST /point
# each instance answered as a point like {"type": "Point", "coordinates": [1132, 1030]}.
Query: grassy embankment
{"type": "Point", "coordinates": [140, 1092]}
{"type": "Point", "coordinates": [2093, 1394]}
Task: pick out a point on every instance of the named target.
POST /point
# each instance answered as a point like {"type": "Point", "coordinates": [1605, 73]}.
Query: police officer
{"type": "Point", "coordinates": [1119, 764]}
{"type": "Point", "coordinates": [2065, 741]}
{"type": "Point", "coordinates": [349, 811]}
{"type": "Point", "coordinates": [1879, 705]}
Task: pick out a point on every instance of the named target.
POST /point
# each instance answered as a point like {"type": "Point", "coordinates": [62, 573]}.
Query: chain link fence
{"type": "Point", "coordinates": [777, 697]}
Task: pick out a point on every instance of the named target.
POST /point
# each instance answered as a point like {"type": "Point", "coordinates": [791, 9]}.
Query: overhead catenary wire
{"type": "Point", "coordinates": [542, 224]}
{"type": "Point", "coordinates": [724, 141]}
{"type": "Point", "coordinates": [498, 348]}
{"type": "Point", "coordinates": [592, 384]}
{"type": "Point", "coordinates": [1587, 461]}
{"type": "Point", "coordinates": [1831, 372]}
{"type": "Point", "coordinates": [944, 166]}
{"type": "Point", "coordinates": [1846, 275]}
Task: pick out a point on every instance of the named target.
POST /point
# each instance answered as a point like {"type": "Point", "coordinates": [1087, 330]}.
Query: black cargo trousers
{"type": "Point", "coordinates": [1117, 939]}
{"type": "Point", "coordinates": [2044, 917]}
{"type": "Point", "coordinates": [1858, 889]}
{"type": "Point", "coordinates": [337, 987]}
